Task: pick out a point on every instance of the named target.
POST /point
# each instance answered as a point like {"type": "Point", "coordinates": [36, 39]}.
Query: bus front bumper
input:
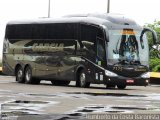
{"type": "Point", "coordinates": [119, 80]}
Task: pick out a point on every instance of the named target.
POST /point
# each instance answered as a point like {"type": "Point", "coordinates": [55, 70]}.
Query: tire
{"type": "Point", "coordinates": [122, 86]}
{"type": "Point", "coordinates": [60, 83]}
{"type": "Point", "coordinates": [28, 75]}
{"type": "Point", "coordinates": [20, 75]}
{"type": "Point", "coordinates": [81, 81]}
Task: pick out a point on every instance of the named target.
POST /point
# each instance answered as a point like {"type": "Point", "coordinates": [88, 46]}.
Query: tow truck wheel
{"type": "Point", "coordinates": [122, 86]}
{"type": "Point", "coordinates": [82, 80]}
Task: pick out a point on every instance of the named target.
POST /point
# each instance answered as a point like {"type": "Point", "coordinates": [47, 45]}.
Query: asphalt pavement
{"type": "Point", "coordinates": [45, 101]}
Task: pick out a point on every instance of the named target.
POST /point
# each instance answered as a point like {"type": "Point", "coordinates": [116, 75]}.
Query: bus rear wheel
{"type": "Point", "coordinates": [81, 82]}
{"type": "Point", "coordinates": [121, 86]}
{"type": "Point", "coordinates": [28, 75]}
{"type": "Point", "coordinates": [19, 75]}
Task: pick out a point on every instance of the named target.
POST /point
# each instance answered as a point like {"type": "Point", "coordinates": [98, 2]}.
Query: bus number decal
{"type": "Point", "coordinates": [117, 68]}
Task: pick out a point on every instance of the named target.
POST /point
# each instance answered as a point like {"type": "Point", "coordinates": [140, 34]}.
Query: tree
{"type": "Point", "coordinates": [154, 52]}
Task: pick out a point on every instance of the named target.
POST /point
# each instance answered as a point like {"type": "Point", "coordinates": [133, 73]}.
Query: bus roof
{"type": "Point", "coordinates": [97, 19]}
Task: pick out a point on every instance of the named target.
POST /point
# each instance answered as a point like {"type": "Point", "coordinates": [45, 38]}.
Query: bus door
{"type": "Point", "coordinates": [100, 58]}
{"type": "Point", "coordinates": [100, 49]}
{"type": "Point", "coordinates": [100, 52]}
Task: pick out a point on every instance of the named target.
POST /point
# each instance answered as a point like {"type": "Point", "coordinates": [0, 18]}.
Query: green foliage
{"type": "Point", "coordinates": [155, 26]}
{"type": "Point", "coordinates": [154, 54]}
{"type": "Point", "coordinates": [156, 68]}
{"type": "Point", "coordinates": [155, 64]}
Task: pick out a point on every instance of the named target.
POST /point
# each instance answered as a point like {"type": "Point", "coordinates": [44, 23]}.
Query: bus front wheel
{"type": "Point", "coordinates": [81, 82]}
{"type": "Point", "coordinates": [19, 75]}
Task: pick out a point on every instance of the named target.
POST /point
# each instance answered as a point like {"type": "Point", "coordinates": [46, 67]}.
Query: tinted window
{"type": "Point", "coordinates": [18, 31]}
{"type": "Point", "coordinates": [88, 33]}
{"type": "Point", "coordinates": [38, 31]}
{"type": "Point", "coordinates": [62, 31]}
{"type": "Point", "coordinates": [42, 31]}
{"type": "Point", "coordinates": [100, 49]}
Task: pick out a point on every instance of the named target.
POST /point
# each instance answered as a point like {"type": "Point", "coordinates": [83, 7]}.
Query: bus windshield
{"type": "Point", "coordinates": [125, 47]}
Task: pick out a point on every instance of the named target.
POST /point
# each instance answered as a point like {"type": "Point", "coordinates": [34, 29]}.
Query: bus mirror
{"type": "Point", "coordinates": [153, 33]}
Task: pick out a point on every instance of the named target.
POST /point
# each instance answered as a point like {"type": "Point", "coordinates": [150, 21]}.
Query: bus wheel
{"type": "Point", "coordinates": [19, 75]}
{"type": "Point", "coordinates": [122, 86]}
{"type": "Point", "coordinates": [82, 80]}
{"type": "Point", "coordinates": [61, 83]}
{"type": "Point", "coordinates": [28, 75]}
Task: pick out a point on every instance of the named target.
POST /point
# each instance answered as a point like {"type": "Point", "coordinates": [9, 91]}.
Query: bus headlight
{"type": "Point", "coordinates": [145, 75]}
{"type": "Point", "coordinates": [110, 74]}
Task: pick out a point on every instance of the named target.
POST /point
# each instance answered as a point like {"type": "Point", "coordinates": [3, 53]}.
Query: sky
{"type": "Point", "coordinates": [142, 11]}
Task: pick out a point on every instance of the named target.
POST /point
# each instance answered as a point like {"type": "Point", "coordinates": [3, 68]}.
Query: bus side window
{"type": "Point", "coordinates": [87, 39]}
{"type": "Point", "coordinates": [100, 49]}
{"type": "Point", "coordinates": [100, 44]}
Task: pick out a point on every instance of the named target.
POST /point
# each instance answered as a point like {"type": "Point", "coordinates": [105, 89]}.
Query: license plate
{"type": "Point", "coordinates": [130, 81]}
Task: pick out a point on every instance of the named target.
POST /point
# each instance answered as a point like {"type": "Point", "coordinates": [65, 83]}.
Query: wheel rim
{"type": "Point", "coordinates": [20, 74]}
{"type": "Point", "coordinates": [82, 79]}
{"type": "Point", "coordinates": [28, 75]}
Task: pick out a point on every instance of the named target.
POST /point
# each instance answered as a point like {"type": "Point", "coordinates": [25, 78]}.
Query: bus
{"type": "Point", "coordinates": [104, 49]}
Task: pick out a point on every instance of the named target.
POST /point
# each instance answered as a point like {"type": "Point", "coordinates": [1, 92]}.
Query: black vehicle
{"type": "Point", "coordinates": [94, 48]}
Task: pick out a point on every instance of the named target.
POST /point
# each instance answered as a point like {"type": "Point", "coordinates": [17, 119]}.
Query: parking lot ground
{"type": "Point", "coordinates": [70, 102]}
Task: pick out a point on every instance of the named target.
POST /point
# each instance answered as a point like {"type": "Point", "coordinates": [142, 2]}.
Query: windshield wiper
{"type": "Point", "coordinates": [135, 62]}
{"type": "Point", "coordinates": [122, 62]}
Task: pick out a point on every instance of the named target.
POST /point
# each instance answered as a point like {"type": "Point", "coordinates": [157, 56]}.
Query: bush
{"type": "Point", "coordinates": [155, 64]}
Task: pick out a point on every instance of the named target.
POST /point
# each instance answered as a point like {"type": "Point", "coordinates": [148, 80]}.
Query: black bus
{"type": "Point", "coordinates": [94, 48]}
